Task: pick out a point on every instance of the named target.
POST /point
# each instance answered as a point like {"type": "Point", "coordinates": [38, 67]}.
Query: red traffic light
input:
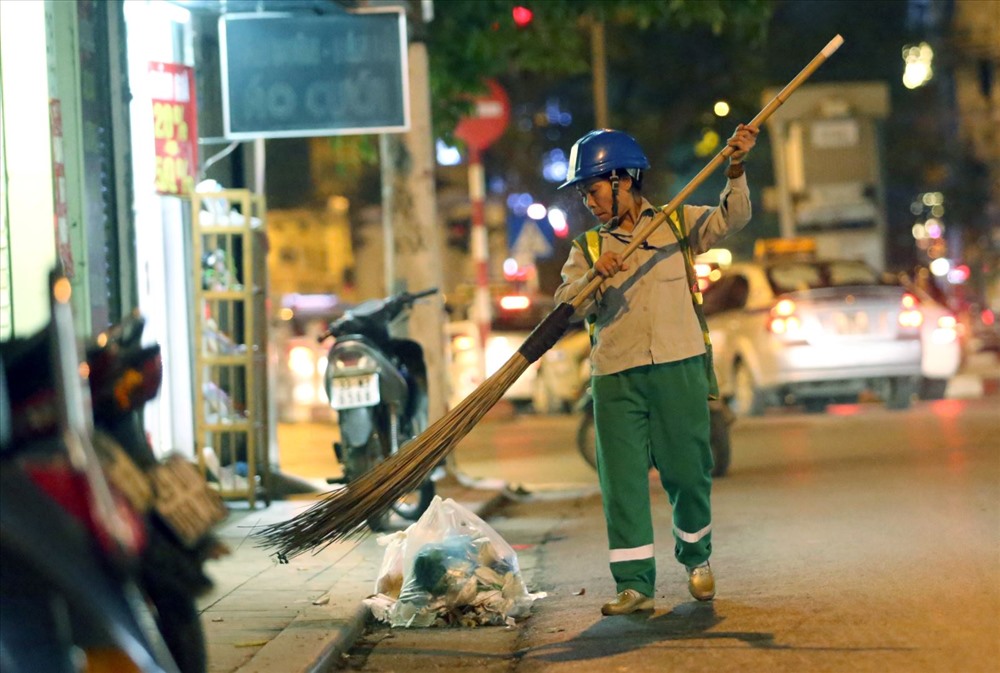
{"type": "Point", "coordinates": [522, 16]}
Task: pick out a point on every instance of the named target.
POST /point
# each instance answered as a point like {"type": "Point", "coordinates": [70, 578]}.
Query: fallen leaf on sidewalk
{"type": "Point", "coordinates": [580, 592]}
{"type": "Point", "coordinates": [218, 619]}
{"type": "Point", "coordinates": [322, 600]}
{"type": "Point", "coordinates": [252, 643]}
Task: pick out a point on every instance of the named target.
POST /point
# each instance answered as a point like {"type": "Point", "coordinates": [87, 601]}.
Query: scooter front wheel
{"type": "Point", "coordinates": [586, 438]}
{"type": "Point", "coordinates": [416, 502]}
{"type": "Point", "coordinates": [409, 507]}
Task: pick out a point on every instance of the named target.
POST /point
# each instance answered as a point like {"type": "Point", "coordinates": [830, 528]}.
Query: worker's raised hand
{"type": "Point", "coordinates": [742, 141]}
{"type": "Point", "coordinates": [609, 264]}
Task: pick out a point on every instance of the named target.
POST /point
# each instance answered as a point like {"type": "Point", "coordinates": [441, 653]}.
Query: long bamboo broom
{"type": "Point", "coordinates": [342, 514]}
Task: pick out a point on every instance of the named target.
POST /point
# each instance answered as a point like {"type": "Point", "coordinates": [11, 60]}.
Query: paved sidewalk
{"type": "Point", "coordinates": [266, 617]}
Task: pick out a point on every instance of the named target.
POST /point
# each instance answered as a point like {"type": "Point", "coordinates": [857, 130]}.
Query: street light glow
{"type": "Point", "coordinates": [721, 108]}
{"type": "Point", "coordinates": [918, 61]}
{"type": "Point", "coordinates": [536, 211]}
{"type": "Point", "coordinates": [940, 267]}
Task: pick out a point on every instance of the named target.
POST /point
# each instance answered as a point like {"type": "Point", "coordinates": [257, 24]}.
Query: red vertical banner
{"type": "Point", "coordinates": [175, 127]}
{"type": "Point", "coordinates": [61, 220]}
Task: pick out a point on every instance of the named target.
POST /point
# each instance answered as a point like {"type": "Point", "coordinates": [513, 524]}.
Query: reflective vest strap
{"type": "Point", "coordinates": [677, 224]}
{"type": "Point", "coordinates": [593, 245]}
{"type": "Point", "coordinates": [589, 243]}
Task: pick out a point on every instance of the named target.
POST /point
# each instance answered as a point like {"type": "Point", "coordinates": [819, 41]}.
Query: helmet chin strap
{"type": "Point", "coordinates": [613, 222]}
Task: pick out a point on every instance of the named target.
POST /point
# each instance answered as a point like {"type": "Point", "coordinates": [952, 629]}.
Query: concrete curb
{"type": "Point", "coordinates": [311, 635]}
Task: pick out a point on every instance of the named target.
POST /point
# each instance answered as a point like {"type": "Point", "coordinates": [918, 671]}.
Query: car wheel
{"type": "Point", "coordinates": [721, 418]}
{"type": "Point", "coordinates": [542, 399]}
{"type": "Point", "coordinates": [901, 390]}
{"type": "Point", "coordinates": [814, 405]}
{"type": "Point", "coordinates": [933, 389]}
{"type": "Point", "coordinates": [747, 399]}
{"type": "Point", "coordinates": [415, 503]}
{"type": "Point", "coordinates": [586, 438]}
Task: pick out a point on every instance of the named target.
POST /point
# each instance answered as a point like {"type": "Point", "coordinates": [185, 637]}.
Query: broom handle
{"type": "Point", "coordinates": [818, 60]}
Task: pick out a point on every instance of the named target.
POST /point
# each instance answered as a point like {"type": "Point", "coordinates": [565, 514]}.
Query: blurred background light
{"type": "Point", "coordinates": [706, 146]}
{"type": "Point", "coordinates": [536, 211]}
{"type": "Point", "coordinates": [446, 154]}
{"type": "Point", "coordinates": [918, 70]}
{"type": "Point", "coordinates": [554, 165]}
{"type": "Point", "coordinates": [518, 202]}
{"type": "Point", "coordinates": [522, 16]}
{"type": "Point", "coordinates": [721, 108]}
{"type": "Point", "coordinates": [959, 274]}
{"type": "Point", "coordinates": [557, 218]}
{"type": "Point", "coordinates": [940, 267]}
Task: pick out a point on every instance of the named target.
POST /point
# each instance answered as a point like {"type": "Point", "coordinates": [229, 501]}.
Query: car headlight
{"type": "Point", "coordinates": [946, 331]}
{"type": "Point", "coordinates": [301, 362]}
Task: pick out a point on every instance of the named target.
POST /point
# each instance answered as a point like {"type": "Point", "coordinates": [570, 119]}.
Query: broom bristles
{"type": "Point", "coordinates": [343, 514]}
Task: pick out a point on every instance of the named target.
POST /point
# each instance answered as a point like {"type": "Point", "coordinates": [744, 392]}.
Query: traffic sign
{"type": "Point", "coordinates": [489, 120]}
{"type": "Point", "coordinates": [530, 243]}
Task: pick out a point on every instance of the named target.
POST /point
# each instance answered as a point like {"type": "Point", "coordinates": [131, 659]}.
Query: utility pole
{"type": "Point", "coordinates": [410, 221]}
{"type": "Point", "coordinates": [599, 66]}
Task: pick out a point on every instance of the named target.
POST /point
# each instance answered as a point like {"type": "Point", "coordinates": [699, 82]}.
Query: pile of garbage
{"type": "Point", "coordinates": [450, 568]}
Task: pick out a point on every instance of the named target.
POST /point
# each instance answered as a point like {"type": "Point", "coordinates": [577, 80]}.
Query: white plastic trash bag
{"type": "Point", "coordinates": [455, 570]}
{"type": "Point", "coordinates": [390, 575]}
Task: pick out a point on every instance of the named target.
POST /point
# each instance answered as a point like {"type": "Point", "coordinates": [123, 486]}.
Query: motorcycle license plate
{"type": "Point", "coordinates": [349, 392]}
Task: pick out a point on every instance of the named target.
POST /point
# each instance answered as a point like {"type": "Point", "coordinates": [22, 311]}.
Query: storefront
{"type": "Point", "coordinates": [164, 142]}
{"type": "Point", "coordinates": [82, 83]}
{"type": "Point", "coordinates": [65, 146]}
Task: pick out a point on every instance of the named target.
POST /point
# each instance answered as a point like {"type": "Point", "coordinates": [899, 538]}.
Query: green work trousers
{"type": "Point", "coordinates": [654, 416]}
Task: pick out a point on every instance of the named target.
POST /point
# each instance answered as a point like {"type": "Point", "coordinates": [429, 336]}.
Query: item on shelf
{"type": "Point", "coordinates": [217, 212]}
{"type": "Point", "coordinates": [218, 343]}
{"type": "Point", "coordinates": [218, 405]}
{"type": "Point", "coordinates": [217, 271]}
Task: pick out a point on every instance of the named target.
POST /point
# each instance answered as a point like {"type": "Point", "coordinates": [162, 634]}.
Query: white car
{"type": "Point", "coordinates": [563, 373]}
{"type": "Point", "coordinates": [807, 331]}
{"type": "Point", "coordinates": [942, 345]}
{"type": "Point", "coordinates": [511, 324]}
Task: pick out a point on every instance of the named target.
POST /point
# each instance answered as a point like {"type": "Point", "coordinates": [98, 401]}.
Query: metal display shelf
{"type": "Point", "coordinates": [230, 342]}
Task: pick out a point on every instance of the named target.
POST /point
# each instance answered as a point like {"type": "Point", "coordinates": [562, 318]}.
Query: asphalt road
{"type": "Point", "coordinates": [858, 540]}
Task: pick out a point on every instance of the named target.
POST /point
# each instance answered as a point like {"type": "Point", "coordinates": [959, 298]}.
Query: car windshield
{"type": "Point", "coordinates": [798, 276]}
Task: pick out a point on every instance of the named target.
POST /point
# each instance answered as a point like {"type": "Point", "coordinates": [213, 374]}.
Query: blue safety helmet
{"type": "Point", "coordinates": [602, 151]}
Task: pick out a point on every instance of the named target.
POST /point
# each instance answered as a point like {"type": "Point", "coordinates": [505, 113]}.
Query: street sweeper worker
{"type": "Point", "coordinates": [650, 355]}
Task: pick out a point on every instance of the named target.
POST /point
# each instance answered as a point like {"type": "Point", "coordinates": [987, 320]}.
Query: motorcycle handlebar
{"type": "Point", "coordinates": [423, 293]}
{"type": "Point", "coordinates": [390, 305]}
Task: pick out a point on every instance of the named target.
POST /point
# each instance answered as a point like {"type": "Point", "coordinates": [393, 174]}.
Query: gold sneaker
{"type": "Point", "coordinates": [626, 603]}
{"type": "Point", "coordinates": [701, 583]}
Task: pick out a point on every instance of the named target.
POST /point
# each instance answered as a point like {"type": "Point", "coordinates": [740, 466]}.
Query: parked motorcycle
{"type": "Point", "coordinates": [720, 415]}
{"type": "Point", "coordinates": [377, 384]}
{"type": "Point", "coordinates": [69, 543]}
{"type": "Point", "coordinates": [124, 376]}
